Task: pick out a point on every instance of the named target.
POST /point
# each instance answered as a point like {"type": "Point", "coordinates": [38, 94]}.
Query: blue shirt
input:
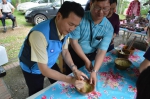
{"type": "Point", "coordinates": [147, 54]}
{"type": "Point", "coordinates": [148, 16]}
{"type": "Point", "coordinates": [87, 39]}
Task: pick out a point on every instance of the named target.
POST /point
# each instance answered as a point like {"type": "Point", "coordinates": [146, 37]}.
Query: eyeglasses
{"type": "Point", "coordinates": [96, 8]}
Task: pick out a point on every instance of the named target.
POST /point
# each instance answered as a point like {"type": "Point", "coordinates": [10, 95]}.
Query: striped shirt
{"type": "Point", "coordinates": [87, 37]}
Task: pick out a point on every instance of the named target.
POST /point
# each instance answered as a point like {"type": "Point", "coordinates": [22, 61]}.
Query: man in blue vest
{"type": "Point", "coordinates": [43, 45]}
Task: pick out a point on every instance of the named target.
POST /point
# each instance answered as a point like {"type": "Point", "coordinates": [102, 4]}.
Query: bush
{"type": "Point", "coordinates": [144, 10]}
{"type": "Point", "coordinates": [15, 2]}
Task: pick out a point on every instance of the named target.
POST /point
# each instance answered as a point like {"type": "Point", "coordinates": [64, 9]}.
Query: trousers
{"type": "Point", "coordinates": [35, 82]}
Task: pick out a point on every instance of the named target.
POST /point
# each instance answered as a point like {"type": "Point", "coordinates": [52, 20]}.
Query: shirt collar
{"type": "Point", "coordinates": [61, 36]}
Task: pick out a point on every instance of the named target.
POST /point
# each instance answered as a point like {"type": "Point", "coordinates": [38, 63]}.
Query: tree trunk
{"type": "Point", "coordinates": [121, 6]}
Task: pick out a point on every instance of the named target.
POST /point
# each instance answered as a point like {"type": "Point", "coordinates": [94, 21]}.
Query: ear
{"type": "Point", "coordinates": [58, 16]}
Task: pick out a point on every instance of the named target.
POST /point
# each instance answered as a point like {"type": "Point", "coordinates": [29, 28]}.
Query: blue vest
{"type": "Point", "coordinates": [54, 47]}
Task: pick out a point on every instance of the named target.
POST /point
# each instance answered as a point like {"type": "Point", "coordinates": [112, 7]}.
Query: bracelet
{"type": "Point", "coordinates": [93, 70]}
{"type": "Point", "coordinates": [72, 66]}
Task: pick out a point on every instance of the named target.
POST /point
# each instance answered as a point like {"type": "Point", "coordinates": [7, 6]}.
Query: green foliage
{"type": "Point", "coordinates": [125, 5]}
{"type": "Point", "coordinates": [122, 6]}
{"type": "Point", "coordinates": [121, 17]}
{"type": "Point", "coordinates": [144, 12]}
{"type": "Point", "coordinates": [15, 2]}
{"type": "Point", "coordinates": [12, 45]}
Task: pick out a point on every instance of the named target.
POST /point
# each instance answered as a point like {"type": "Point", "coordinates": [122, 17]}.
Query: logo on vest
{"type": "Point", "coordinates": [51, 50]}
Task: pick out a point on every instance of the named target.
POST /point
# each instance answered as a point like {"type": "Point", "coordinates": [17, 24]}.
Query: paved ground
{"type": "Point", "coordinates": [14, 81]}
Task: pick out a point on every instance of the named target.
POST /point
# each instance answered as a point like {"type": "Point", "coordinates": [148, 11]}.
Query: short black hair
{"type": "Point", "coordinates": [143, 84]}
{"type": "Point", "coordinates": [114, 1]}
{"type": "Point", "coordinates": [67, 7]}
{"type": "Point", "coordinates": [110, 1]}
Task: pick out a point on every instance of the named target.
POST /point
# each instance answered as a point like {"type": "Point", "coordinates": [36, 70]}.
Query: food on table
{"type": "Point", "coordinates": [87, 88]}
{"type": "Point", "coordinates": [123, 63]}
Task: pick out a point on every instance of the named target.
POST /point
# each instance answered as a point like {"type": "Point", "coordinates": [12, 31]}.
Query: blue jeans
{"type": "Point", "coordinates": [10, 16]}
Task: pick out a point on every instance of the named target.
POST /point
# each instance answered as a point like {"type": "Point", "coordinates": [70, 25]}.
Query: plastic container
{"type": "Point", "coordinates": [3, 56]}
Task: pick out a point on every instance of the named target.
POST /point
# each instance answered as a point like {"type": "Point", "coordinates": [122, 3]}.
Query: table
{"type": "Point", "coordinates": [111, 82]}
{"type": "Point", "coordinates": [128, 34]}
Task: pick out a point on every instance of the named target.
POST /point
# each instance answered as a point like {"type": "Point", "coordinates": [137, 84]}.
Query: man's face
{"type": "Point", "coordinates": [4, 1]}
{"type": "Point", "coordinates": [67, 25]}
{"type": "Point", "coordinates": [99, 9]}
{"type": "Point", "coordinates": [135, 0]}
{"type": "Point", "coordinates": [112, 9]}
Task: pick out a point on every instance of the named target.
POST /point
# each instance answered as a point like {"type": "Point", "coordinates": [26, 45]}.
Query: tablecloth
{"type": "Point", "coordinates": [111, 82]}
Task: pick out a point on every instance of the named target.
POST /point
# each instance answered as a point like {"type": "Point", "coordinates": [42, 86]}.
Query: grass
{"type": "Point", "coordinates": [12, 40]}
{"type": "Point", "coordinates": [12, 45]}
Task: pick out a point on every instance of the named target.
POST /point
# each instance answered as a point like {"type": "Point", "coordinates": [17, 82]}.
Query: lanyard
{"type": "Point", "coordinates": [91, 34]}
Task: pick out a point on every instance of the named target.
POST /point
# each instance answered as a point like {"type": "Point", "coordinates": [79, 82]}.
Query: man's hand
{"type": "Point", "coordinates": [93, 78]}
{"type": "Point", "coordinates": [9, 13]}
{"type": "Point", "coordinates": [78, 83]}
{"type": "Point", "coordinates": [89, 65]}
{"type": "Point", "coordinates": [1, 15]}
{"type": "Point", "coordinates": [79, 75]}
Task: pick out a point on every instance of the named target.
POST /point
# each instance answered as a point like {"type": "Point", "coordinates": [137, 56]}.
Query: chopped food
{"type": "Point", "coordinates": [123, 63]}
{"type": "Point", "coordinates": [87, 88]}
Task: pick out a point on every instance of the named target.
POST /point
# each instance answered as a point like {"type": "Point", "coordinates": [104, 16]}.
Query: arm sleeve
{"type": "Point", "coordinates": [66, 44]}
{"type": "Point", "coordinates": [147, 54]}
{"type": "Point", "coordinates": [75, 34]}
{"type": "Point", "coordinates": [116, 28]}
{"type": "Point", "coordinates": [10, 5]}
{"type": "Point", "coordinates": [38, 45]}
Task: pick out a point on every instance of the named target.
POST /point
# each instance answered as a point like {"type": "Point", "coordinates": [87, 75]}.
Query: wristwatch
{"type": "Point", "coordinates": [72, 66]}
{"type": "Point", "coordinates": [93, 70]}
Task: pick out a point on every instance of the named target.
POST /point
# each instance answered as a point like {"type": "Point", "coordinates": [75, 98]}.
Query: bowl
{"type": "Point", "coordinates": [87, 88]}
{"type": "Point", "coordinates": [139, 29]}
{"type": "Point", "coordinates": [122, 63]}
{"type": "Point", "coordinates": [124, 54]}
{"type": "Point", "coordinates": [131, 29]}
{"type": "Point", "coordinates": [131, 50]}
